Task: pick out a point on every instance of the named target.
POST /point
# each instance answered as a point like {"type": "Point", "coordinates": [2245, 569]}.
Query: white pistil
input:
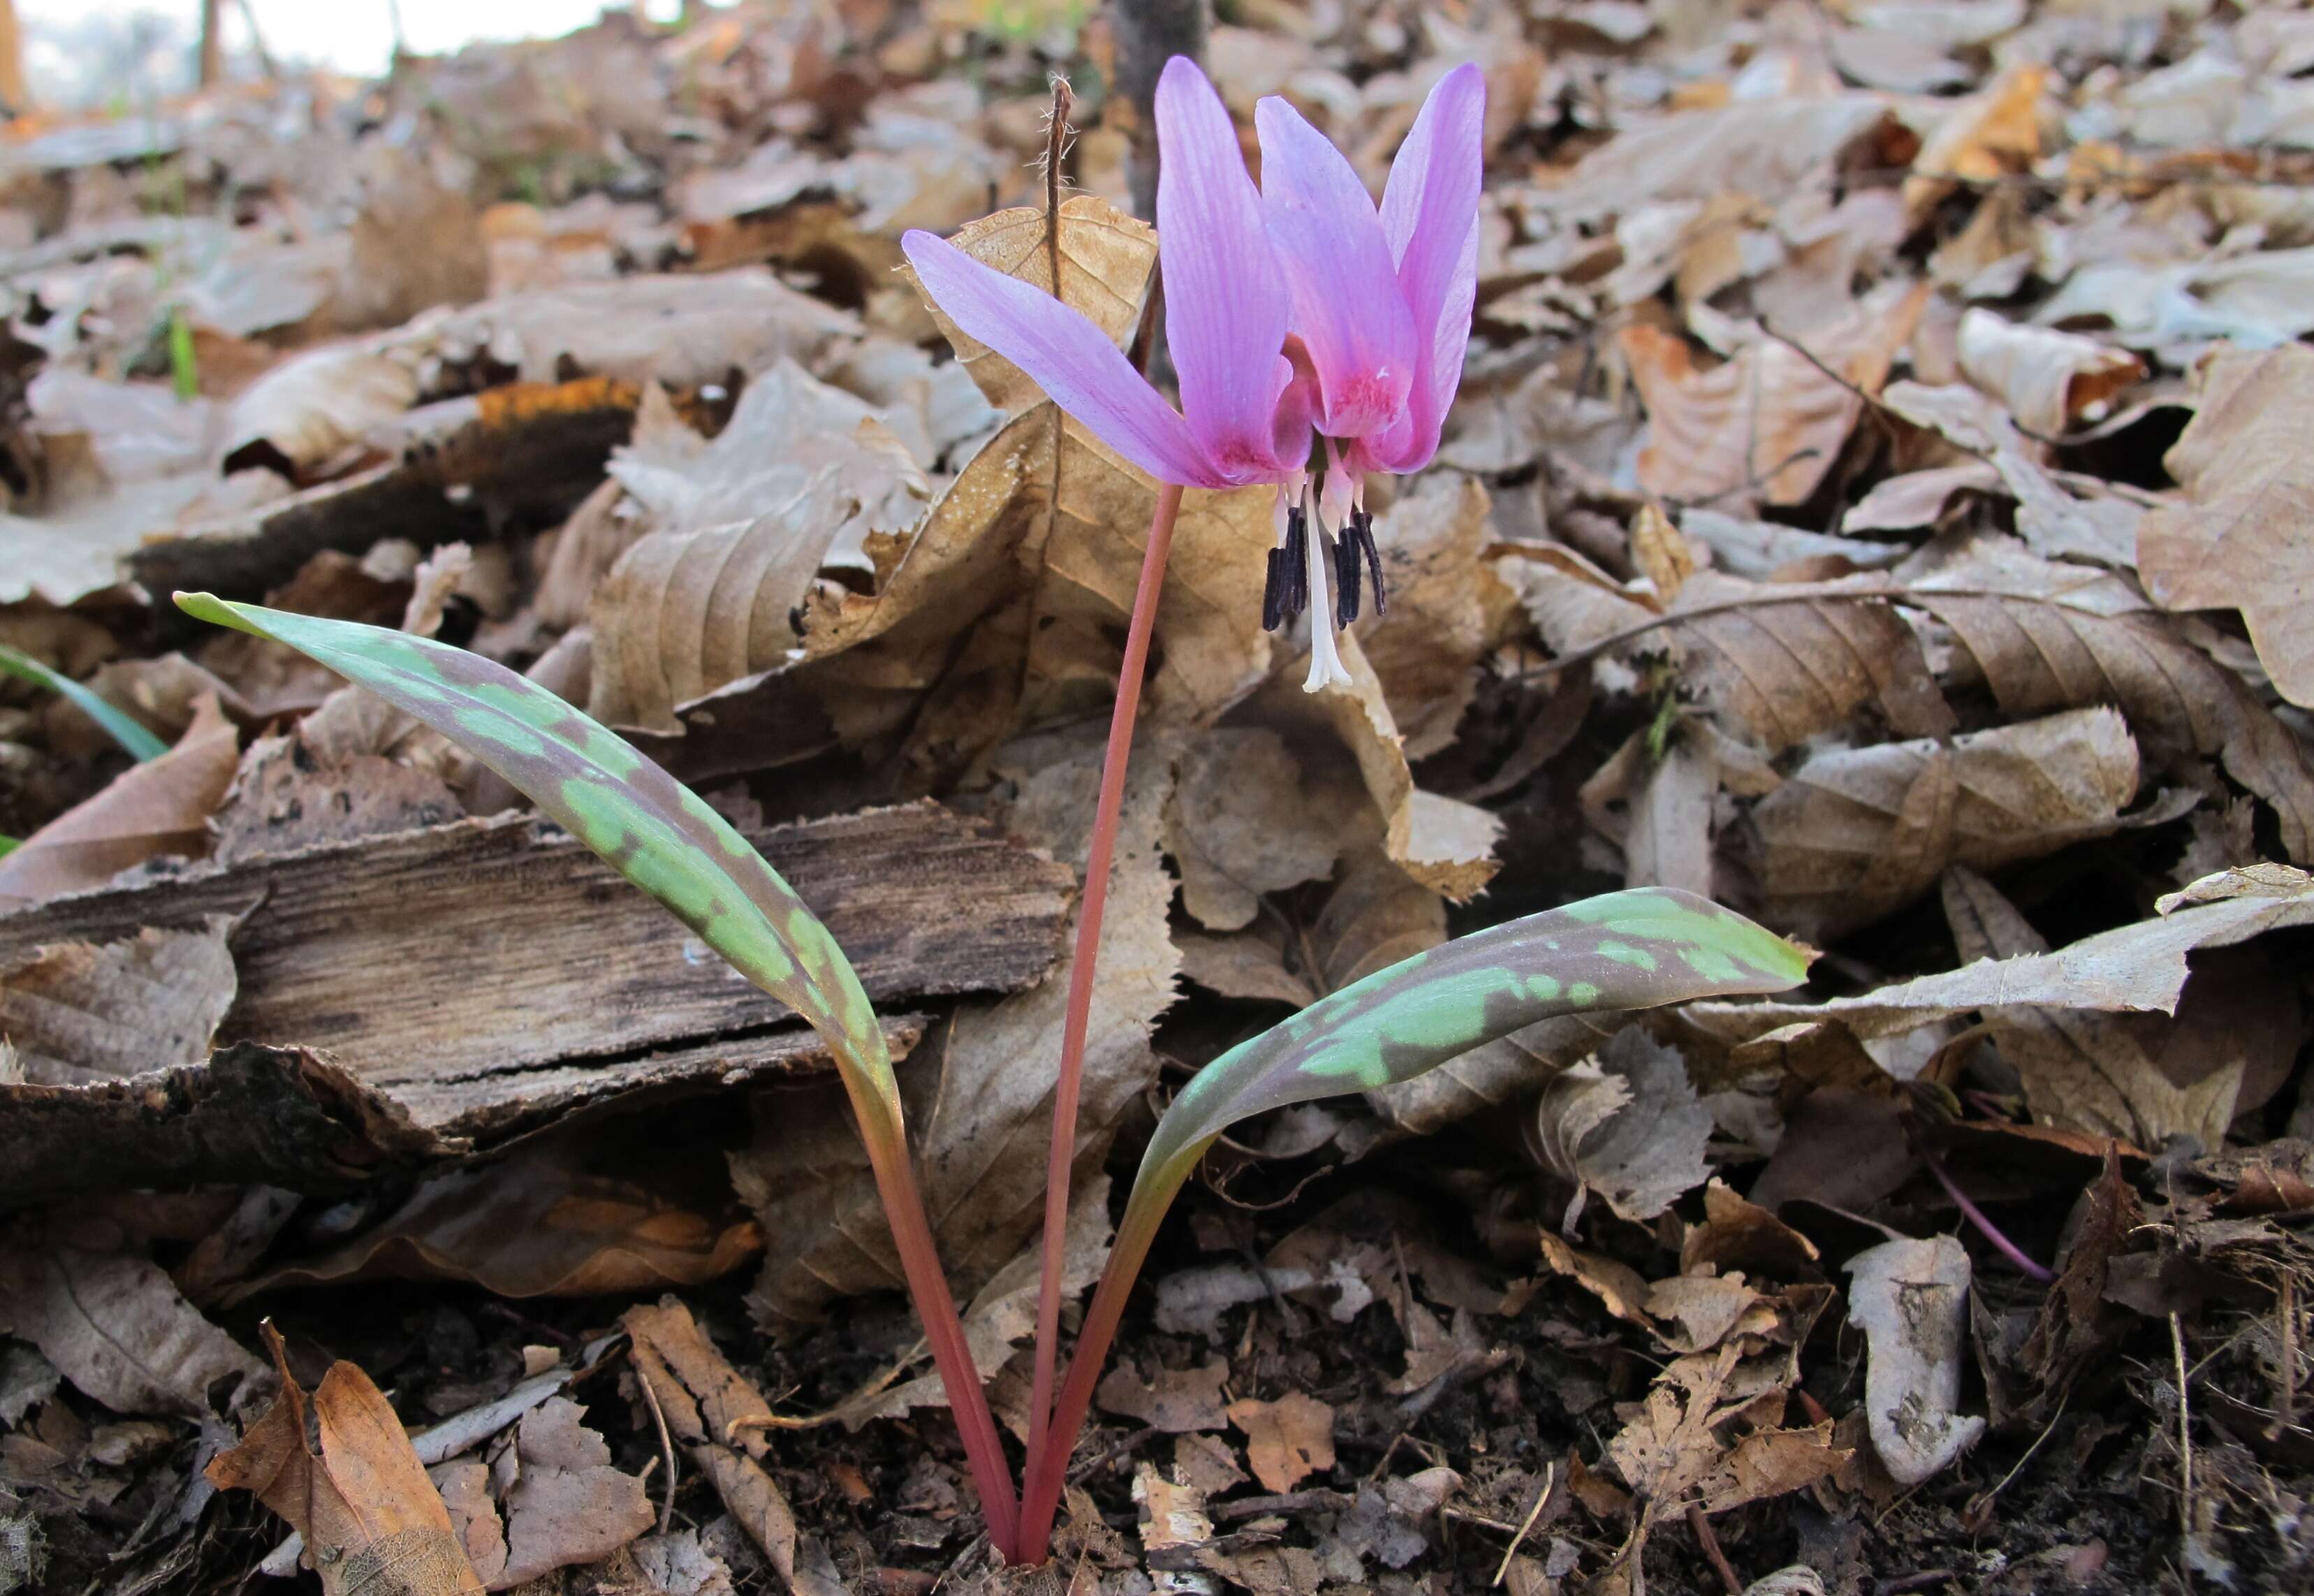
{"type": "Point", "coordinates": [1326, 667]}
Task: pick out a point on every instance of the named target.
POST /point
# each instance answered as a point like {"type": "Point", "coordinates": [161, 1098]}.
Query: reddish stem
{"type": "Point", "coordinates": [1071, 1083]}
{"type": "Point", "coordinates": [1975, 1216]}
{"type": "Point", "coordinates": [912, 1233]}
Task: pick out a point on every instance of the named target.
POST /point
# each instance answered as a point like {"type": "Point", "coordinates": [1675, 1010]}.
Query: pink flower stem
{"type": "Point", "coordinates": [1975, 1216]}
{"type": "Point", "coordinates": [1069, 1085]}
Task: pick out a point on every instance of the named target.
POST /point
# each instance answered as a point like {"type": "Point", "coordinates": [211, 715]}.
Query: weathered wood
{"type": "Point", "coordinates": [502, 947]}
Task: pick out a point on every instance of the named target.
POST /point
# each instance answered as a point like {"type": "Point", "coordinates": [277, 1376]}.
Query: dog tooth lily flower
{"type": "Point", "coordinates": [1294, 314]}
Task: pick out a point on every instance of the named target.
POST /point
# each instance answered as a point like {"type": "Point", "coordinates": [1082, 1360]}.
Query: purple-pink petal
{"type": "Point", "coordinates": [1430, 215]}
{"type": "Point", "coordinates": [1225, 299]}
{"type": "Point", "coordinates": [1069, 358]}
{"type": "Point", "coordinates": [1346, 303]}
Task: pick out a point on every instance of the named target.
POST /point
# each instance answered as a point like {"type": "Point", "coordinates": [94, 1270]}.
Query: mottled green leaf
{"type": "Point", "coordinates": [1626, 950]}
{"type": "Point", "coordinates": [658, 832]}
{"type": "Point", "coordinates": [126, 732]}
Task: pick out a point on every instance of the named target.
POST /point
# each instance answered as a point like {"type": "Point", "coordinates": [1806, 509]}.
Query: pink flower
{"type": "Point", "coordinates": [1294, 312]}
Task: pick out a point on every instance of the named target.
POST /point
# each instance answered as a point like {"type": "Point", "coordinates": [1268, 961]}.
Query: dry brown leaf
{"type": "Point", "coordinates": [1105, 258]}
{"type": "Point", "coordinates": [2050, 637]}
{"type": "Point", "coordinates": [1764, 147]}
{"type": "Point", "coordinates": [1286, 1441]}
{"type": "Point", "coordinates": [1241, 825]}
{"type": "Point", "coordinates": [1855, 832]}
{"type": "Point", "coordinates": [116, 1328]}
{"type": "Point", "coordinates": [979, 1105]}
{"type": "Point", "coordinates": [802, 478]}
{"type": "Point", "coordinates": [339, 1467]}
{"type": "Point", "coordinates": [543, 1223]}
{"type": "Point", "coordinates": [1175, 1401]}
{"type": "Point", "coordinates": [1659, 812]}
{"type": "Point", "coordinates": [1673, 1453]}
{"type": "Point", "coordinates": [1767, 425]}
{"type": "Point", "coordinates": [1627, 1126]}
{"type": "Point", "coordinates": [81, 1012]}
{"type": "Point", "coordinates": [149, 810]}
{"type": "Point", "coordinates": [2098, 524]}
{"type": "Point", "coordinates": [566, 1506]}
{"type": "Point", "coordinates": [1241, 965]}
{"type": "Point", "coordinates": [1447, 609]}
{"type": "Point", "coordinates": [1987, 136]}
{"type": "Point", "coordinates": [1911, 1300]}
{"type": "Point", "coordinates": [2246, 541]}
{"type": "Point", "coordinates": [2048, 380]}
{"type": "Point", "coordinates": [317, 404]}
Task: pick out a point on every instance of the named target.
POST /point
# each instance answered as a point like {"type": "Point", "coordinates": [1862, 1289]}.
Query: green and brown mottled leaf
{"type": "Point", "coordinates": [1625, 950]}
{"type": "Point", "coordinates": [655, 831]}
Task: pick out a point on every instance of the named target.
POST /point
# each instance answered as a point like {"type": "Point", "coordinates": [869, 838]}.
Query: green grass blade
{"type": "Point", "coordinates": [1625, 950]}
{"type": "Point", "coordinates": [658, 832]}
{"type": "Point", "coordinates": [123, 730]}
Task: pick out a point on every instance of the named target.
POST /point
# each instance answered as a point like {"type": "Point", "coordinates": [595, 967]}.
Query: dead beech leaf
{"type": "Point", "coordinates": [339, 1467]}
{"type": "Point", "coordinates": [1673, 1453]}
{"type": "Point", "coordinates": [1105, 258]}
{"type": "Point", "coordinates": [316, 404]}
{"type": "Point", "coordinates": [1240, 825]}
{"type": "Point", "coordinates": [984, 1116]}
{"type": "Point", "coordinates": [1911, 1300]}
{"type": "Point", "coordinates": [541, 1222]}
{"type": "Point", "coordinates": [115, 1326]}
{"type": "Point", "coordinates": [1241, 965]}
{"type": "Point", "coordinates": [2246, 541]}
{"type": "Point", "coordinates": [162, 807]}
{"type": "Point", "coordinates": [2048, 380]}
{"type": "Point", "coordinates": [803, 477]}
{"type": "Point", "coordinates": [1855, 832]}
{"type": "Point", "coordinates": [1987, 136]}
{"type": "Point", "coordinates": [1764, 147]}
{"type": "Point", "coordinates": [1177, 1401]}
{"type": "Point", "coordinates": [1286, 1441]}
{"type": "Point", "coordinates": [1767, 425]}
{"type": "Point", "coordinates": [1664, 823]}
{"type": "Point", "coordinates": [1626, 1125]}
{"type": "Point", "coordinates": [1447, 609]}
{"type": "Point", "coordinates": [566, 1506]}
{"type": "Point", "coordinates": [81, 1012]}
{"type": "Point", "coordinates": [2048, 636]}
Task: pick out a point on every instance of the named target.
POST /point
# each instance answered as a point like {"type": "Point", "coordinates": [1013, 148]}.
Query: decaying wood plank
{"type": "Point", "coordinates": [498, 947]}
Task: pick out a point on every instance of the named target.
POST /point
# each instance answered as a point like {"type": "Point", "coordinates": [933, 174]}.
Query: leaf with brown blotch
{"type": "Point", "coordinates": [1857, 832]}
{"type": "Point", "coordinates": [803, 477]}
{"type": "Point", "coordinates": [83, 1011]}
{"type": "Point", "coordinates": [1767, 425]}
{"type": "Point", "coordinates": [2048, 380]}
{"type": "Point", "coordinates": [159, 807]}
{"type": "Point", "coordinates": [2052, 637]}
{"type": "Point", "coordinates": [2246, 541]}
{"type": "Point", "coordinates": [1105, 259]}
{"type": "Point", "coordinates": [338, 1466]}
{"type": "Point", "coordinates": [1286, 1441]}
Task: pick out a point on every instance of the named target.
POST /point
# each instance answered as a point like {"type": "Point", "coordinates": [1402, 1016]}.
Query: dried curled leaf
{"type": "Point", "coordinates": [1627, 1126]}
{"type": "Point", "coordinates": [1911, 1300]}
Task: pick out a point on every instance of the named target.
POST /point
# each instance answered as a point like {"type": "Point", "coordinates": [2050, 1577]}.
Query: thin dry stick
{"type": "Point", "coordinates": [1710, 1544]}
{"type": "Point", "coordinates": [666, 1450]}
{"type": "Point", "coordinates": [1502, 1569]}
{"type": "Point", "coordinates": [2286, 1401]}
{"type": "Point", "coordinates": [1067, 1089]}
{"type": "Point", "coordinates": [2185, 1442]}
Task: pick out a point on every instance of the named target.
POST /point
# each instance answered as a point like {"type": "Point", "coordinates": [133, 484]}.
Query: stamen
{"type": "Point", "coordinates": [1285, 590]}
{"type": "Point", "coordinates": [1345, 575]}
{"type": "Point", "coordinates": [1273, 594]}
{"type": "Point", "coordinates": [1361, 531]}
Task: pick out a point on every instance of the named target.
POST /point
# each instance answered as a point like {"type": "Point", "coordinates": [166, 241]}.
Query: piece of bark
{"type": "Point", "coordinates": [279, 1115]}
{"type": "Point", "coordinates": [513, 951]}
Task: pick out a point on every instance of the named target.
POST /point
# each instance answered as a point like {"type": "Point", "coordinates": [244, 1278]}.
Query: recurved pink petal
{"type": "Point", "coordinates": [1225, 300]}
{"type": "Point", "coordinates": [1071, 359]}
{"type": "Point", "coordinates": [1346, 303]}
{"type": "Point", "coordinates": [1430, 215]}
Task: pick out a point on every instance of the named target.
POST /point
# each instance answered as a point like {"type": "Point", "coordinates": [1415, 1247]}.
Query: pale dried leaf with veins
{"type": "Point", "coordinates": [2098, 525]}
{"type": "Point", "coordinates": [1664, 823]}
{"type": "Point", "coordinates": [1767, 425]}
{"type": "Point", "coordinates": [1106, 261]}
{"type": "Point", "coordinates": [2050, 637]}
{"type": "Point", "coordinates": [320, 401]}
{"type": "Point", "coordinates": [980, 1120]}
{"type": "Point", "coordinates": [566, 1506]}
{"type": "Point", "coordinates": [2048, 380]}
{"type": "Point", "coordinates": [1761, 147]}
{"type": "Point", "coordinates": [115, 1326]}
{"type": "Point", "coordinates": [1911, 1300]}
{"type": "Point", "coordinates": [1239, 824]}
{"type": "Point", "coordinates": [803, 477]}
{"type": "Point", "coordinates": [1857, 831]}
{"type": "Point", "coordinates": [1175, 1401]}
{"type": "Point", "coordinates": [1492, 1076]}
{"type": "Point", "coordinates": [76, 1012]}
{"type": "Point", "coordinates": [338, 1466]}
{"type": "Point", "coordinates": [1626, 1125]}
{"type": "Point", "coordinates": [2246, 541]}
